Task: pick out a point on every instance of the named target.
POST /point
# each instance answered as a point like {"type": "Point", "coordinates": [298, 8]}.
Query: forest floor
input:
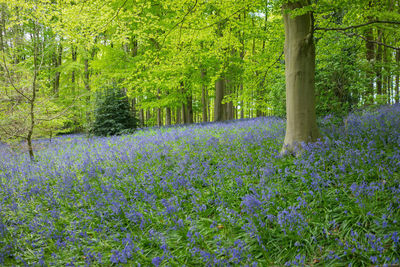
{"type": "Point", "coordinates": [217, 194]}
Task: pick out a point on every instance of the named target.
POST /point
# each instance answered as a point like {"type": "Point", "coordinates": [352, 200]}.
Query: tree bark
{"type": "Point", "coordinates": [219, 95]}
{"type": "Point", "coordinates": [148, 116]}
{"type": "Point", "coordinates": [159, 117]}
{"type": "Point", "coordinates": [87, 74]}
{"type": "Point", "coordinates": [370, 55]}
{"type": "Point", "coordinates": [159, 111]}
{"type": "Point", "coordinates": [74, 58]}
{"type": "Point", "coordinates": [204, 96]}
{"type": "Point", "coordinates": [168, 116]}
{"type": "Point", "coordinates": [141, 116]}
{"type": "Point", "coordinates": [32, 100]}
{"type": "Point", "coordinates": [241, 104]}
{"type": "Point", "coordinates": [378, 68]}
{"type": "Point", "coordinates": [57, 64]}
{"type": "Point", "coordinates": [301, 123]}
{"type": "Point", "coordinates": [189, 105]}
{"type": "Point", "coordinates": [178, 116]}
{"type": "Point", "coordinates": [2, 26]}
{"type": "Point", "coordinates": [184, 112]}
{"type": "Point", "coordinates": [398, 75]}
{"type": "Point", "coordinates": [133, 107]}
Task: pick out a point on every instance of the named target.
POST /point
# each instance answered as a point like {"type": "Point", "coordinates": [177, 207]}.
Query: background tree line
{"type": "Point", "coordinates": [184, 61]}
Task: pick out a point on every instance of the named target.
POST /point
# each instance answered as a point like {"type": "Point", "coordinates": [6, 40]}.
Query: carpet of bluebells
{"type": "Point", "coordinates": [217, 194]}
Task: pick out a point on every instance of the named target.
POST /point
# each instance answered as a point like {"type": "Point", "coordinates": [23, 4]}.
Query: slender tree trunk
{"type": "Point", "coordinates": [74, 54]}
{"type": "Point", "coordinates": [261, 93]}
{"type": "Point", "coordinates": [184, 112]}
{"type": "Point", "coordinates": [370, 58]}
{"type": "Point", "coordinates": [87, 74]}
{"type": "Point", "coordinates": [32, 100]}
{"type": "Point", "coordinates": [2, 26]}
{"type": "Point", "coordinates": [378, 68]}
{"type": "Point", "coordinates": [234, 107]}
{"type": "Point", "coordinates": [301, 123]}
{"type": "Point", "coordinates": [133, 107]}
{"type": "Point", "coordinates": [241, 104]}
{"type": "Point", "coordinates": [159, 117]}
{"type": "Point", "coordinates": [185, 115]}
{"type": "Point", "coordinates": [242, 53]}
{"type": "Point", "coordinates": [385, 69]}
{"type": "Point", "coordinates": [134, 47]}
{"type": "Point", "coordinates": [178, 115]}
{"type": "Point", "coordinates": [229, 105]}
{"type": "Point", "coordinates": [168, 116]}
{"type": "Point", "coordinates": [2, 34]}
{"type": "Point", "coordinates": [57, 61]}
{"type": "Point", "coordinates": [148, 117]}
{"type": "Point", "coordinates": [86, 81]}
{"type": "Point", "coordinates": [74, 58]}
{"type": "Point", "coordinates": [141, 116]}
{"type": "Point", "coordinates": [189, 105]}
{"type": "Point", "coordinates": [209, 103]}
{"type": "Point", "coordinates": [370, 55]}
{"type": "Point", "coordinates": [204, 96]}
{"type": "Point", "coordinates": [398, 75]}
{"type": "Point", "coordinates": [159, 112]}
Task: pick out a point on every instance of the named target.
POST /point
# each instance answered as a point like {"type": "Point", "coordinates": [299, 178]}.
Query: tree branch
{"type": "Point", "coordinates": [115, 15]}
{"type": "Point", "coordinates": [273, 64]}
{"type": "Point", "coordinates": [357, 26]}
{"type": "Point", "coordinates": [217, 22]}
{"type": "Point", "coordinates": [62, 112]}
{"type": "Point", "coordinates": [10, 78]}
{"type": "Point", "coordinates": [369, 41]}
{"type": "Point", "coordinates": [182, 20]}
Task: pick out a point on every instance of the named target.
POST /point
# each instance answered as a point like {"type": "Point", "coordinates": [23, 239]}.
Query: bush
{"type": "Point", "coordinates": [112, 115]}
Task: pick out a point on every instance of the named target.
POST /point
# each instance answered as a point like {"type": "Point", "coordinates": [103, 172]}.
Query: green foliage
{"type": "Point", "coordinates": [112, 114]}
{"type": "Point", "coordinates": [338, 81]}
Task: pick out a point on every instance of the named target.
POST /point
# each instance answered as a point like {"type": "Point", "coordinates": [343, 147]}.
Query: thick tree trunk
{"type": "Point", "coordinates": [299, 73]}
{"type": "Point", "coordinates": [219, 96]}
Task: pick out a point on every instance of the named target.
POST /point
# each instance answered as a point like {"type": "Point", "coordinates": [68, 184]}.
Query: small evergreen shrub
{"type": "Point", "coordinates": [112, 115]}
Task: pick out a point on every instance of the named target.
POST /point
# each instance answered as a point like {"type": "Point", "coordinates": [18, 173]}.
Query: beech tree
{"type": "Point", "coordinates": [301, 123]}
{"type": "Point", "coordinates": [300, 55]}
